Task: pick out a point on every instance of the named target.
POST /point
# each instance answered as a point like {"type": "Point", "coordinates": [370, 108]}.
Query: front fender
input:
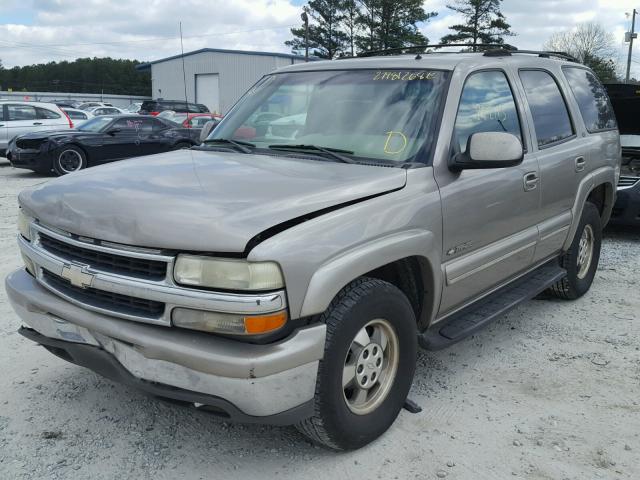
{"type": "Point", "coordinates": [329, 279]}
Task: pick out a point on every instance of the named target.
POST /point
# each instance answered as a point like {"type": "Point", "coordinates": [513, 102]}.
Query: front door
{"type": "Point", "coordinates": [489, 215]}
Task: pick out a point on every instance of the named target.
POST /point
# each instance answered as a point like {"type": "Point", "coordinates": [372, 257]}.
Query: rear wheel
{"type": "Point", "coordinates": [581, 260]}
{"type": "Point", "coordinates": [368, 365]}
{"type": "Point", "coordinates": [68, 160]}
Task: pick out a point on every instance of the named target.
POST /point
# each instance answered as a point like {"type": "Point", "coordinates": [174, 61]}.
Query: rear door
{"type": "Point", "coordinates": [489, 215]}
{"type": "Point", "coordinates": [3, 129]}
{"type": "Point", "coordinates": [51, 119]}
{"type": "Point", "coordinates": [561, 156]}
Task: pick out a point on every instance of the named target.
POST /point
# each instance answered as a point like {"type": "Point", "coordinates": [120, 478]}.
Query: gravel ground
{"type": "Point", "coordinates": [550, 391]}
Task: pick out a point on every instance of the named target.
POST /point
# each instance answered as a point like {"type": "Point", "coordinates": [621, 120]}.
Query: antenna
{"type": "Point", "coordinates": [184, 75]}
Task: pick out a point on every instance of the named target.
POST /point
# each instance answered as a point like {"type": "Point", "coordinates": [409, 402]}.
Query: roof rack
{"type": "Point", "coordinates": [423, 48]}
{"type": "Point", "coordinates": [489, 50]}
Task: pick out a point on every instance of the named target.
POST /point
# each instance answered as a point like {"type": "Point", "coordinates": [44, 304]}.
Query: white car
{"type": "Point", "coordinates": [99, 111]}
{"type": "Point", "coordinates": [134, 107]}
{"type": "Point", "coordinates": [78, 116]}
{"type": "Point", "coordinates": [17, 118]}
{"type": "Point", "coordinates": [90, 105]}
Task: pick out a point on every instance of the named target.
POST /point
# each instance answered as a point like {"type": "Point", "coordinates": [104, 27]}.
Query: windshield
{"type": "Point", "coordinates": [95, 124]}
{"type": "Point", "coordinates": [376, 114]}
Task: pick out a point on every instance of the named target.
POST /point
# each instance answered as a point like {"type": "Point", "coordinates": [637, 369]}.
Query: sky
{"type": "Point", "coordinates": [40, 31]}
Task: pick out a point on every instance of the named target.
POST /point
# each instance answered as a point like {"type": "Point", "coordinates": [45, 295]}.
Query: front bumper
{"type": "Point", "coordinates": [272, 383]}
{"type": "Point", "coordinates": [32, 159]}
{"type": "Point", "coordinates": [626, 210]}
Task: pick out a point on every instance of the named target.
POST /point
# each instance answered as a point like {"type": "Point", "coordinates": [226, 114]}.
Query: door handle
{"type": "Point", "coordinates": [37, 123]}
{"type": "Point", "coordinates": [530, 181]}
{"type": "Point", "coordinates": [580, 164]}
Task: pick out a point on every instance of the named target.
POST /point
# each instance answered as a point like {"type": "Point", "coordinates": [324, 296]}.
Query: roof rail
{"type": "Point", "coordinates": [423, 48]}
{"type": "Point", "coordinates": [489, 49]}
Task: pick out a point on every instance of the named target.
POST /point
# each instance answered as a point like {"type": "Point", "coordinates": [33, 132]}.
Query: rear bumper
{"type": "Point", "coordinates": [626, 210]}
{"type": "Point", "coordinates": [272, 383]}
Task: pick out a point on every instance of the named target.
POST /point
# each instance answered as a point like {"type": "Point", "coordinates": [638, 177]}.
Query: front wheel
{"type": "Point", "coordinates": [581, 260]}
{"type": "Point", "coordinates": [368, 365]}
{"type": "Point", "coordinates": [68, 160]}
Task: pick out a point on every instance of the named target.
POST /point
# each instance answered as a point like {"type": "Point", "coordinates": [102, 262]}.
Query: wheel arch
{"type": "Point", "coordinates": [598, 187]}
{"type": "Point", "coordinates": [404, 259]}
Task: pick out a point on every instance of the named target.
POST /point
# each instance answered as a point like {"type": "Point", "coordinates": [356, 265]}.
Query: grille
{"type": "Point", "coordinates": [105, 300]}
{"type": "Point", "coordinates": [129, 266]}
{"type": "Point", "coordinates": [625, 182]}
{"type": "Point", "coordinates": [29, 144]}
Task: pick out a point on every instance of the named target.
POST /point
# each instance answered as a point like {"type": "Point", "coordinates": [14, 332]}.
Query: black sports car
{"type": "Point", "coordinates": [99, 140]}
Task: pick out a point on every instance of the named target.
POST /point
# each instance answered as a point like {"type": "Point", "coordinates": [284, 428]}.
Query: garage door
{"type": "Point", "coordinates": [208, 91]}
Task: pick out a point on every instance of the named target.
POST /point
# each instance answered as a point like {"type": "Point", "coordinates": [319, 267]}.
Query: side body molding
{"type": "Point", "coordinates": [604, 175]}
{"type": "Point", "coordinates": [329, 279]}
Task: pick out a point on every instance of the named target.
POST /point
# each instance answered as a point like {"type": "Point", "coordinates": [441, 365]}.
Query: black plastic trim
{"type": "Point", "coordinates": [105, 364]}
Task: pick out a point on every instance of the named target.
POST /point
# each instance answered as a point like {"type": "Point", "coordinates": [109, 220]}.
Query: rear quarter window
{"type": "Point", "coordinates": [47, 114]}
{"type": "Point", "coordinates": [591, 98]}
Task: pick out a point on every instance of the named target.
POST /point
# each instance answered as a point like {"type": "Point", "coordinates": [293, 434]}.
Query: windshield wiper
{"type": "Point", "coordinates": [331, 152]}
{"type": "Point", "coordinates": [239, 144]}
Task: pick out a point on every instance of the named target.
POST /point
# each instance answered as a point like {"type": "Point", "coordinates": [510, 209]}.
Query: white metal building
{"type": "Point", "coordinates": [214, 77]}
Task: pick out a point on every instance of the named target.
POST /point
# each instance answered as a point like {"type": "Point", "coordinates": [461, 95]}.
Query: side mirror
{"type": "Point", "coordinates": [113, 131]}
{"type": "Point", "coordinates": [489, 150]}
{"type": "Point", "coordinates": [207, 129]}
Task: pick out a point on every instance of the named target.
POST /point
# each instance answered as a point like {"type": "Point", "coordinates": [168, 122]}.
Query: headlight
{"type": "Point", "coordinates": [24, 224]}
{"type": "Point", "coordinates": [227, 274]}
{"type": "Point", "coordinates": [229, 323]}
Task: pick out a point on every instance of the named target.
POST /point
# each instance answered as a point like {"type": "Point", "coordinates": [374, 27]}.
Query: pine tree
{"type": "Point", "coordinates": [484, 23]}
{"type": "Point", "coordinates": [326, 39]}
{"type": "Point", "coordinates": [391, 23]}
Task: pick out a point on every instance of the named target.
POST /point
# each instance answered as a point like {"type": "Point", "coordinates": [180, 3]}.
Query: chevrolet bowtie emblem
{"type": "Point", "coordinates": [77, 276]}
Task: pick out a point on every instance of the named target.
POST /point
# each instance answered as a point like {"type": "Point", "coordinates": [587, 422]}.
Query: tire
{"type": "Point", "coordinates": [69, 159]}
{"type": "Point", "coordinates": [580, 274]}
{"type": "Point", "coordinates": [343, 419]}
{"type": "Point", "coordinates": [181, 146]}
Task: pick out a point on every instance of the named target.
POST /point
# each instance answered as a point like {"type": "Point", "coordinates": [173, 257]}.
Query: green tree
{"type": "Point", "coordinates": [350, 24]}
{"type": "Point", "coordinates": [391, 23]}
{"type": "Point", "coordinates": [326, 39]}
{"type": "Point", "coordinates": [484, 23]}
{"type": "Point", "coordinates": [605, 69]}
{"type": "Point", "coordinates": [84, 75]}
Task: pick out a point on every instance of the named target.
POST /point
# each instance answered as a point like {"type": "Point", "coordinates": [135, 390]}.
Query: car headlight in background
{"type": "Point", "coordinates": [232, 324]}
{"type": "Point", "coordinates": [227, 274]}
{"type": "Point", "coordinates": [24, 224]}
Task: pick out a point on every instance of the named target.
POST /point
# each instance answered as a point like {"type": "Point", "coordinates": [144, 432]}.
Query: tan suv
{"type": "Point", "coordinates": [289, 279]}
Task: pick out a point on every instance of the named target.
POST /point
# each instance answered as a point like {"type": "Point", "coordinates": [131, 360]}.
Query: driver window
{"type": "Point", "coordinates": [486, 105]}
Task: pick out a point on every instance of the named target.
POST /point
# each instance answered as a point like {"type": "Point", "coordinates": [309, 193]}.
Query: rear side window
{"type": "Point", "coordinates": [76, 115]}
{"type": "Point", "coordinates": [21, 112]}
{"type": "Point", "coordinates": [592, 99]}
{"type": "Point", "coordinates": [47, 114]}
{"type": "Point", "coordinates": [486, 105]}
{"type": "Point", "coordinates": [549, 111]}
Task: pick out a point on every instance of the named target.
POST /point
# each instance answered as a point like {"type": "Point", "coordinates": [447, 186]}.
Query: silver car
{"type": "Point", "coordinates": [290, 279]}
{"type": "Point", "coordinates": [17, 118]}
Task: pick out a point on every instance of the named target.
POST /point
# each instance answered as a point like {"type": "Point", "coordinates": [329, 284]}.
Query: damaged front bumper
{"type": "Point", "coordinates": [272, 383]}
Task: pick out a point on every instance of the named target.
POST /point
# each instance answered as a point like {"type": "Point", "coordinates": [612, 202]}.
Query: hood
{"type": "Point", "coordinates": [200, 200]}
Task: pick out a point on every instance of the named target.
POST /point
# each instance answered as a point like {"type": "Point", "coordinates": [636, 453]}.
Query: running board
{"type": "Point", "coordinates": [472, 318]}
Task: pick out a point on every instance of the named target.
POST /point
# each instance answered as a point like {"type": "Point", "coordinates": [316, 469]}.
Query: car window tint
{"type": "Point", "coordinates": [199, 121]}
{"type": "Point", "coordinates": [592, 99]}
{"type": "Point", "coordinates": [551, 118]}
{"type": "Point", "coordinates": [21, 112]}
{"type": "Point", "coordinates": [193, 108]}
{"type": "Point", "coordinates": [486, 105]}
{"type": "Point", "coordinates": [76, 115]}
{"type": "Point", "coordinates": [47, 114]}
